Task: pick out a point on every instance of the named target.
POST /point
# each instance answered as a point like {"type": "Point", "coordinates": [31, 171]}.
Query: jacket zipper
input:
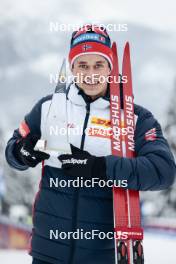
{"type": "Point", "coordinates": [75, 213]}
{"type": "Point", "coordinates": [85, 125]}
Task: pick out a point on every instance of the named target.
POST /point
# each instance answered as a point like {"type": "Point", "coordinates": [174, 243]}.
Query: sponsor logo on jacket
{"type": "Point", "coordinates": [99, 132]}
{"type": "Point", "coordinates": [151, 135]}
{"type": "Point", "coordinates": [100, 121]}
{"type": "Point", "coordinates": [24, 129]}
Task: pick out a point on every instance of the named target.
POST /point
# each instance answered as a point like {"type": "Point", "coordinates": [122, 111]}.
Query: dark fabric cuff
{"type": "Point", "coordinates": [99, 168]}
{"type": "Point", "coordinates": [12, 159]}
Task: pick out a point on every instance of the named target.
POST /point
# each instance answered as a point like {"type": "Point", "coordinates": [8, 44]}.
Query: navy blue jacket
{"type": "Point", "coordinates": [70, 209]}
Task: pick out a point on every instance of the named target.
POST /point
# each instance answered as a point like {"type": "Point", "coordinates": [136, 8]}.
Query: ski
{"type": "Point", "coordinates": [126, 203]}
{"type": "Point", "coordinates": [134, 216]}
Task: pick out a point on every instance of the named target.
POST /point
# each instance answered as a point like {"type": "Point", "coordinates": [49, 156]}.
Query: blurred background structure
{"type": "Point", "coordinates": [32, 46]}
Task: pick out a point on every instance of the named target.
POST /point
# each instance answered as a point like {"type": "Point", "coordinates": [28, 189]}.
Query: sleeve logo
{"type": "Point", "coordinates": [151, 135]}
{"type": "Point", "coordinates": [24, 129]}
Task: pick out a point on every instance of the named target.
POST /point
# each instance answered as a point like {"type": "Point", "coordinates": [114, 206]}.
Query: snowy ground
{"type": "Point", "coordinates": [159, 249]}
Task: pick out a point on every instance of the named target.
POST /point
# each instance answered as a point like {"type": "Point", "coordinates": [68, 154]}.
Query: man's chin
{"type": "Point", "coordinates": [92, 89]}
{"type": "Point", "coordinates": [95, 90]}
{"type": "Point", "coordinates": [90, 92]}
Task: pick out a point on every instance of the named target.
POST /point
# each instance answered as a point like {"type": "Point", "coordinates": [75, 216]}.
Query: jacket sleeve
{"type": "Point", "coordinates": [153, 168]}
{"type": "Point", "coordinates": [31, 124]}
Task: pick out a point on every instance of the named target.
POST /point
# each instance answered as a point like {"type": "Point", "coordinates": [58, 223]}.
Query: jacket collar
{"type": "Point", "coordinates": [77, 96]}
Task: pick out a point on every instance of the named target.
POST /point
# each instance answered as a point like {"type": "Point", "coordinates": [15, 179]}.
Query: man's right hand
{"type": "Point", "coordinates": [25, 153]}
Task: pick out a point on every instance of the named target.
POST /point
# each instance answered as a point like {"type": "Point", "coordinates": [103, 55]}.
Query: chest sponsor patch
{"type": "Point", "coordinates": [99, 132]}
{"type": "Point", "coordinates": [100, 121]}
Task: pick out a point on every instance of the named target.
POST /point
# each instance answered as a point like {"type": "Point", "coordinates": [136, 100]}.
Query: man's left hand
{"type": "Point", "coordinates": [82, 164]}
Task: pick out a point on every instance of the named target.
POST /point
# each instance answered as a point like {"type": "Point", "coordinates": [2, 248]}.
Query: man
{"type": "Point", "coordinates": [85, 209]}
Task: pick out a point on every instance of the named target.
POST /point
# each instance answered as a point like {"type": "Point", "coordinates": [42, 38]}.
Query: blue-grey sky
{"type": "Point", "coordinates": [155, 14]}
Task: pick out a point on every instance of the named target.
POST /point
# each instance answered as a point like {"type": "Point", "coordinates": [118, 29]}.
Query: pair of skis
{"type": "Point", "coordinates": [126, 203]}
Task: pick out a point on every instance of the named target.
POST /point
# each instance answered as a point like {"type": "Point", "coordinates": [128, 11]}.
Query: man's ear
{"type": "Point", "coordinates": [109, 66]}
{"type": "Point", "coordinates": [110, 71]}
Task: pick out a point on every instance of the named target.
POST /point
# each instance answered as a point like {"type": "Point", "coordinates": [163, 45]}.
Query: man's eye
{"type": "Point", "coordinates": [98, 66]}
{"type": "Point", "coordinates": [83, 66]}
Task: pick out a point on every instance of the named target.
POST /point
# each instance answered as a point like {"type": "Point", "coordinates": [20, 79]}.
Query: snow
{"type": "Point", "coordinates": [15, 256]}
{"type": "Point", "coordinates": [158, 248]}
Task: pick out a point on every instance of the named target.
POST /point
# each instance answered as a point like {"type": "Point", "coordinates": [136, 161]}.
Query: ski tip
{"type": "Point", "coordinates": [126, 64]}
{"type": "Point", "coordinates": [114, 45]}
{"type": "Point", "coordinates": [127, 47]}
{"type": "Point", "coordinates": [114, 48]}
{"type": "Point", "coordinates": [115, 57]}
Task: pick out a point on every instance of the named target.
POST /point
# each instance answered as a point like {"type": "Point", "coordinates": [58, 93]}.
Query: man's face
{"type": "Point", "coordinates": [92, 71]}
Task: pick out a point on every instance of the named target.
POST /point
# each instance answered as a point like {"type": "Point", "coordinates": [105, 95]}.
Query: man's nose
{"type": "Point", "coordinates": [90, 74]}
{"type": "Point", "coordinates": [90, 71]}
